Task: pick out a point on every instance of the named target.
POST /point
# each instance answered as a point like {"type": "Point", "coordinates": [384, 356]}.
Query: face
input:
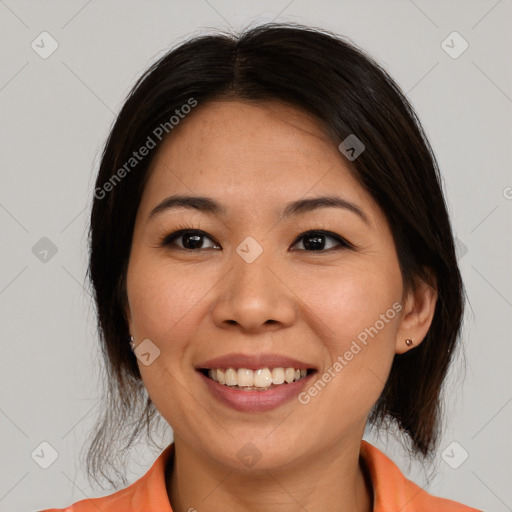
{"type": "Point", "coordinates": [258, 284]}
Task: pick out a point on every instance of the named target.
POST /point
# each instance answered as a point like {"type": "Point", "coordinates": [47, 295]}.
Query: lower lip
{"type": "Point", "coordinates": [255, 401]}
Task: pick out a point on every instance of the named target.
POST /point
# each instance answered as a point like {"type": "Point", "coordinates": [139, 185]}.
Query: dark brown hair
{"type": "Point", "coordinates": [337, 83]}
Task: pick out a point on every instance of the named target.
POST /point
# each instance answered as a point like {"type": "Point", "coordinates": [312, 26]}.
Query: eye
{"type": "Point", "coordinates": [313, 240]}
{"type": "Point", "coordinates": [319, 241]}
{"type": "Point", "coordinates": [189, 240]}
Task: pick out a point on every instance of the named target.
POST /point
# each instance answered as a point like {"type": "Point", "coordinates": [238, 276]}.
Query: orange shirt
{"type": "Point", "coordinates": [393, 492]}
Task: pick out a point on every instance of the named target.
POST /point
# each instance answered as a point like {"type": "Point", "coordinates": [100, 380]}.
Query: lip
{"type": "Point", "coordinates": [255, 401]}
{"type": "Point", "coordinates": [254, 362]}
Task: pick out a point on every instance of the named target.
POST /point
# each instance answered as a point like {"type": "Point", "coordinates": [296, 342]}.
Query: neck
{"type": "Point", "coordinates": [333, 479]}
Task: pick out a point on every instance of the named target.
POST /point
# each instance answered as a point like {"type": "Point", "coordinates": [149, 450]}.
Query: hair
{"type": "Point", "coordinates": [338, 84]}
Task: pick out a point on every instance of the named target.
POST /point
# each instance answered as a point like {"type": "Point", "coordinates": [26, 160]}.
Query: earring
{"type": "Point", "coordinates": [132, 344]}
{"type": "Point", "coordinates": [409, 342]}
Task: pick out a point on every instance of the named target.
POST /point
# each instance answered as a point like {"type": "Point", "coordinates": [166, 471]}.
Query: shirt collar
{"type": "Point", "coordinates": [391, 489]}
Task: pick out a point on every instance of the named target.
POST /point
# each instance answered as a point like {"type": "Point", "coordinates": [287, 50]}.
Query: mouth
{"type": "Point", "coordinates": [261, 379]}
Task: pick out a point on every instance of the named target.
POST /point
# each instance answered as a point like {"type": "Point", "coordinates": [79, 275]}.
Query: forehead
{"type": "Point", "coordinates": [226, 130]}
{"type": "Point", "coordinates": [245, 152]}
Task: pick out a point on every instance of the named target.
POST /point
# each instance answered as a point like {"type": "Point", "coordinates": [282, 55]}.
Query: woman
{"type": "Point", "coordinates": [269, 236]}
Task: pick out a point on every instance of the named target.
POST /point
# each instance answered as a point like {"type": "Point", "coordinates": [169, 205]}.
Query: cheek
{"type": "Point", "coordinates": [355, 316]}
{"type": "Point", "coordinates": [164, 304]}
{"type": "Point", "coordinates": [347, 301]}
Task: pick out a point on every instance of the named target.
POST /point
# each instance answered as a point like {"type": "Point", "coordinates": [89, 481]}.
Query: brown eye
{"type": "Point", "coordinates": [319, 241]}
{"type": "Point", "coordinates": [189, 240]}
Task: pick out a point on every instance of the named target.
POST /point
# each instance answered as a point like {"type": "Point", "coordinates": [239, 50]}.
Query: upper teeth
{"type": "Point", "coordinates": [261, 378]}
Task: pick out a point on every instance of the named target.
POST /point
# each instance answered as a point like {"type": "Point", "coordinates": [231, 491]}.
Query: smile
{"type": "Point", "coordinates": [261, 379]}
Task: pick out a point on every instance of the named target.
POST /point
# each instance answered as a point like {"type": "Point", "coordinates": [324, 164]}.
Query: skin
{"type": "Point", "coordinates": [194, 305]}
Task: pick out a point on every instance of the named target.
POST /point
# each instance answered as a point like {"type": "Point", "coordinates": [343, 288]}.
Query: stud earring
{"type": "Point", "coordinates": [409, 342]}
{"type": "Point", "coordinates": [132, 344]}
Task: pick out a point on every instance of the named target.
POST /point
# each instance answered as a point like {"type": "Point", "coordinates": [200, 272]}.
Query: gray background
{"type": "Point", "coordinates": [55, 115]}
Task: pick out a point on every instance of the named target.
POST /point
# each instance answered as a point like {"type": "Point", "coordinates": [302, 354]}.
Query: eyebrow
{"type": "Point", "coordinates": [210, 206]}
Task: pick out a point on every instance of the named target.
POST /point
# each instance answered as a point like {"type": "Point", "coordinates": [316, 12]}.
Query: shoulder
{"type": "Point", "coordinates": [120, 500]}
{"type": "Point", "coordinates": [393, 491]}
{"type": "Point", "coordinates": [148, 493]}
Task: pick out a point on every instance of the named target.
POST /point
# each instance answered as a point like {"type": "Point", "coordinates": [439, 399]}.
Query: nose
{"type": "Point", "coordinates": [254, 297]}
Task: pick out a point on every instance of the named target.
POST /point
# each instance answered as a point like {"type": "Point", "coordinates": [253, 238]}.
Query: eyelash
{"type": "Point", "coordinates": [167, 240]}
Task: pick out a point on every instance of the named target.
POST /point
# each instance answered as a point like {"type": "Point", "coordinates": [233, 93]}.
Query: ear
{"type": "Point", "coordinates": [418, 312]}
